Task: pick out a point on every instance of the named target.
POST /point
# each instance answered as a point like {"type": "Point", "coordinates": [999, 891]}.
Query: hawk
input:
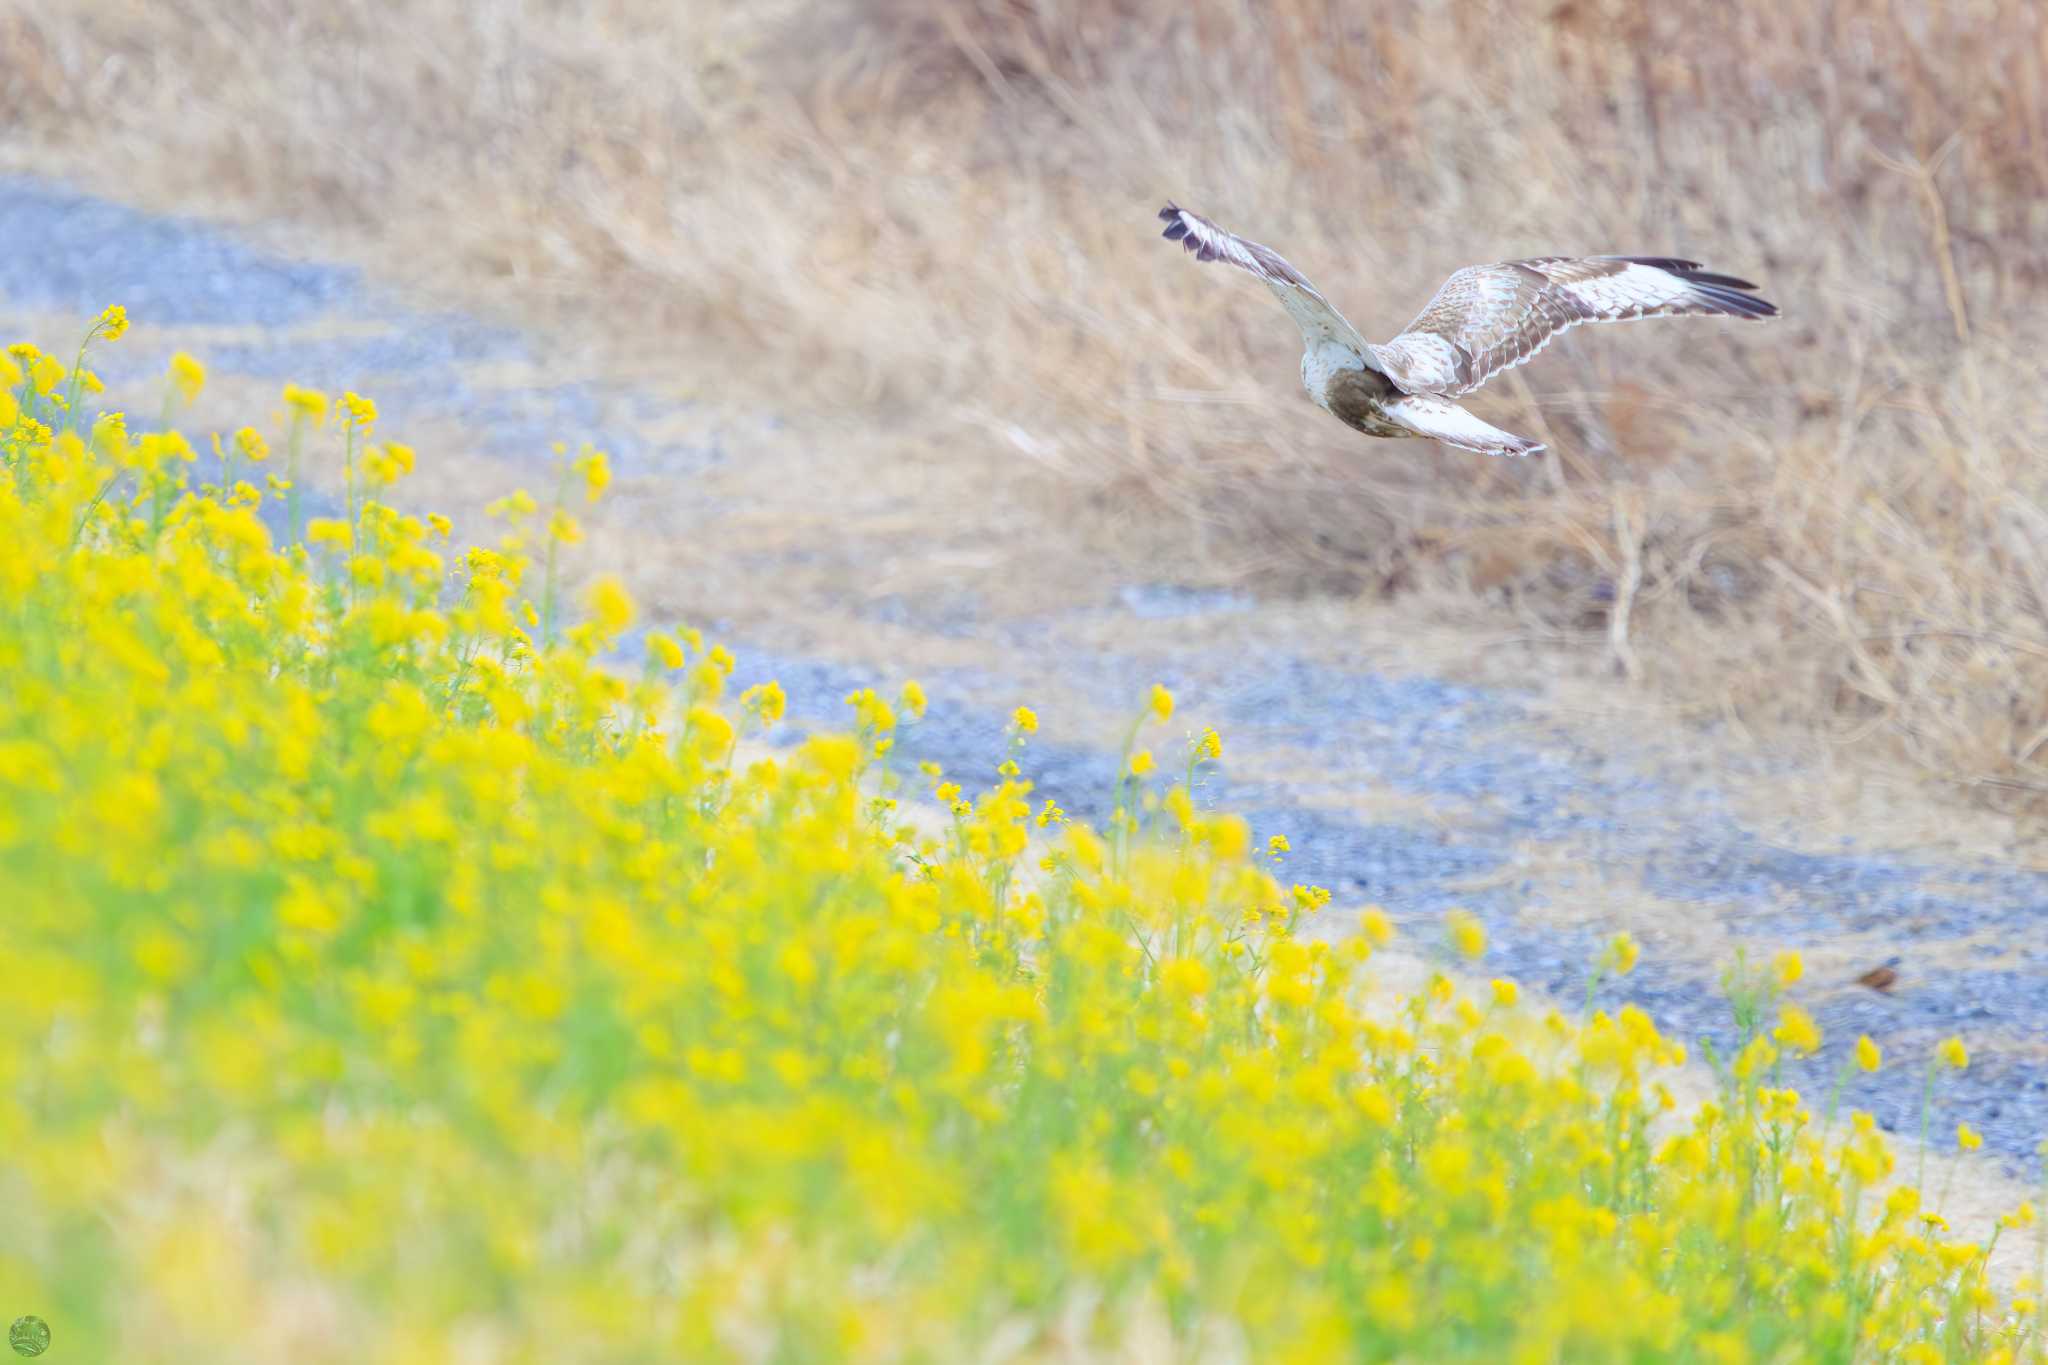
{"type": "Point", "coordinates": [1485, 319]}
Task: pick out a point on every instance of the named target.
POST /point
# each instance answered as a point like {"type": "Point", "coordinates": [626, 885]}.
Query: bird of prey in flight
{"type": "Point", "coordinates": [1485, 319]}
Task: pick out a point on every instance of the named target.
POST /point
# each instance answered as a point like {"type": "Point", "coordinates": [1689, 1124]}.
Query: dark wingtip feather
{"type": "Point", "coordinates": [1726, 293]}
{"type": "Point", "coordinates": [1735, 303]}
{"type": "Point", "coordinates": [1720, 281]}
{"type": "Point", "coordinates": [1675, 265]}
{"type": "Point", "coordinates": [1170, 212]}
{"type": "Point", "coordinates": [1689, 271]}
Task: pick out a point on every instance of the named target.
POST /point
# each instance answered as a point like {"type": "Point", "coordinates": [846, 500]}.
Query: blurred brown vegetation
{"type": "Point", "coordinates": [939, 213]}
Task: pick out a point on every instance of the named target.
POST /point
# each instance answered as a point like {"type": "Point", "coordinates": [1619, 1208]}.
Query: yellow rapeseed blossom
{"type": "Point", "coordinates": [112, 324]}
{"type": "Point", "coordinates": [1160, 704]}
{"type": "Point", "coordinates": [309, 404]}
{"type": "Point", "coordinates": [341, 889]}
{"type": "Point", "coordinates": [1868, 1055]}
{"type": "Point", "coordinates": [564, 529]}
{"type": "Point", "coordinates": [1968, 1138]}
{"type": "Point", "coordinates": [1622, 952]}
{"type": "Point", "coordinates": [1951, 1052]}
{"type": "Point", "coordinates": [596, 471]}
{"type": "Point", "coordinates": [188, 376]}
{"type": "Point", "coordinates": [1467, 934]}
{"type": "Point", "coordinates": [611, 609]}
{"type": "Point", "coordinates": [765, 701]}
{"type": "Point", "coordinates": [357, 412]}
{"type": "Point", "coordinates": [1797, 1031]}
{"type": "Point", "coordinates": [664, 650]}
{"type": "Point", "coordinates": [1788, 966]}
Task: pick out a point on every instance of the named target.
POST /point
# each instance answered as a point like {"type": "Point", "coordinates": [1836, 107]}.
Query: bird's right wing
{"type": "Point", "coordinates": [1311, 312]}
{"type": "Point", "coordinates": [1488, 318]}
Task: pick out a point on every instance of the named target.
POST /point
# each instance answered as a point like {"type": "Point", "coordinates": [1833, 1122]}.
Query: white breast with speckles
{"type": "Point", "coordinates": [1322, 360]}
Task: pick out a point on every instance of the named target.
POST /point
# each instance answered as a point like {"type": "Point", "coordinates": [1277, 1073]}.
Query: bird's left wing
{"type": "Point", "coordinates": [1488, 318]}
{"type": "Point", "coordinates": [1311, 312]}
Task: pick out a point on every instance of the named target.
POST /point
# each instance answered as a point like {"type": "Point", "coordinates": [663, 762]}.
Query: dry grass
{"type": "Point", "coordinates": [940, 213]}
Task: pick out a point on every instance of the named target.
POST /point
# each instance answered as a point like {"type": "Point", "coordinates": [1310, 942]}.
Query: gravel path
{"type": "Point", "coordinates": [1538, 828]}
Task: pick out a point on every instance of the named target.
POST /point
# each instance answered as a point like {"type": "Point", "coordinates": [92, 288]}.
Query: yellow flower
{"type": "Point", "coordinates": [412, 897]}
{"type": "Point", "coordinates": [310, 404]}
{"type": "Point", "coordinates": [765, 700]}
{"type": "Point", "coordinates": [1025, 719]}
{"type": "Point", "coordinates": [1622, 953]}
{"type": "Point", "coordinates": [1951, 1052]}
{"type": "Point", "coordinates": [1161, 703]}
{"type": "Point", "coordinates": [1868, 1055]}
{"type": "Point", "coordinates": [1968, 1138]}
{"type": "Point", "coordinates": [596, 470]}
{"type": "Point", "coordinates": [45, 374]}
{"type": "Point", "coordinates": [357, 411]}
{"type": "Point", "coordinates": [251, 445]}
{"type": "Point", "coordinates": [1185, 977]}
{"type": "Point", "coordinates": [113, 322]}
{"type": "Point", "coordinates": [1468, 935]}
{"type": "Point", "coordinates": [610, 607]}
{"type": "Point", "coordinates": [913, 700]}
{"type": "Point", "coordinates": [710, 731]}
{"type": "Point", "coordinates": [1797, 1031]}
{"type": "Point", "coordinates": [188, 376]}
{"type": "Point", "coordinates": [664, 650]}
{"type": "Point", "coordinates": [1788, 967]}
{"type": "Point", "coordinates": [1141, 762]}
{"type": "Point", "coordinates": [1209, 746]}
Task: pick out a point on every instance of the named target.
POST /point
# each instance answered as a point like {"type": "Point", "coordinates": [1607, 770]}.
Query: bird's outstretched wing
{"type": "Point", "coordinates": [1309, 309]}
{"type": "Point", "coordinates": [1488, 318]}
{"type": "Point", "coordinates": [1426, 414]}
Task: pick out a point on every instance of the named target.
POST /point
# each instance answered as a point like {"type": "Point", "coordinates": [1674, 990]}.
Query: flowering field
{"type": "Point", "coordinates": [394, 974]}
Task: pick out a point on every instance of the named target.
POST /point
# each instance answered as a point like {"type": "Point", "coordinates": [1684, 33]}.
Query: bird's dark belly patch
{"type": "Point", "coordinates": [1355, 398]}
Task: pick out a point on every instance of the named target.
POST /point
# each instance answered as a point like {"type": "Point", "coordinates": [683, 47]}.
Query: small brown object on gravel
{"type": "Point", "coordinates": [1882, 977]}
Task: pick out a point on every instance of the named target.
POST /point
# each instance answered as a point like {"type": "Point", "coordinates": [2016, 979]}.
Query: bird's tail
{"type": "Point", "coordinates": [1440, 419]}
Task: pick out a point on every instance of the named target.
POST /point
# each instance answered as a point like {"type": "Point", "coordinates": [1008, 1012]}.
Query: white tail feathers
{"type": "Point", "coordinates": [1442, 420]}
